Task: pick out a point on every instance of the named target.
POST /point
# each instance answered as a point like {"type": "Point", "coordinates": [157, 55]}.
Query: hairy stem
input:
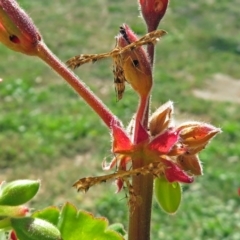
{"type": "Point", "coordinates": [96, 104]}
{"type": "Point", "coordinates": [140, 214]}
{"type": "Point", "coordinates": [150, 50]}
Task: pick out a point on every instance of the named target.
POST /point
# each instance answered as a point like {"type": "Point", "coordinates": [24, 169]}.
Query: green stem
{"type": "Point", "coordinates": [96, 104]}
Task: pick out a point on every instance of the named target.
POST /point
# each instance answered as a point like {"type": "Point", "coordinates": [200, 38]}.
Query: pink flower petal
{"type": "Point", "coordinates": [142, 134]}
{"type": "Point", "coordinates": [174, 174]}
{"type": "Point", "coordinates": [119, 183]}
{"type": "Point", "coordinates": [13, 236]}
{"type": "Point", "coordinates": [121, 141]}
{"type": "Point", "coordinates": [163, 143]}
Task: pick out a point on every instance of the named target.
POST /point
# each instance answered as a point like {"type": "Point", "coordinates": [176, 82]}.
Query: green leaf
{"type": "Point", "coordinates": [5, 223]}
{"type": "Point", "coordinates": [35, 229]}
{"type": "Point", "coordinates": [75, 225]}
{"type": "Point", "coordinates": [118, 227]}
{"type": "Point", "coordinates": [50, 214]}
{"type": "Point", "coordinates": [18, 192]}
{"type": "Point", "coordinates": [168, 194]}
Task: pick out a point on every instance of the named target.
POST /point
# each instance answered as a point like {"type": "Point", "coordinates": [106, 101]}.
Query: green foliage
{"type": "Point", "coordinates": [49, 223]}
{"type": "Point", "coordinates": [67, 223]}
{"type": "Point", "coordinates": [35, 229]}
{"type": "Point", "coordinates": [118, 227]}
{"type": "Point", "coordinates": [45, 127]}
{"type": "Point", "coordinates": [50, 214]}
{"type": "Point", "coordinates": [168, 195]}
{"type": "Point", "coordinates": [75, 225]}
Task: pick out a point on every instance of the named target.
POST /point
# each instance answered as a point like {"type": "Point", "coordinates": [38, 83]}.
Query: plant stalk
{"type": "Point", "coordinates": [140, 213]}
{"type": "Point", "coordinates": [95, 103]}
{"type": "Point", "coordinates": [140, 116]}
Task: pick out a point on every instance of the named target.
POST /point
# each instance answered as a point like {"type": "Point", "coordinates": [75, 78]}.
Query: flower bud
{"type": "Point", "coordinates": [17, 30]}
{"type": "Point", "coordinates": [190, 163]}
{"type": "Point", "coordinates": [18, 192]}
{"type": "Point", "coordinates": [161, 119]}
{"type": "Point", "coordinates": [35, 229]}
{"type": "Point", "coordinates": [135, 63]}
{"type": "Point", "coordinates": [153, 11]}
{"type": "Point", "coordinates": [197, 134]}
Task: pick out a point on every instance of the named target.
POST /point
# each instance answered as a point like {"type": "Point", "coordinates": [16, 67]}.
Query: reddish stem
{"type": "Point", "coordinates": [140, 215]}
{"type": "Point", "coordinates": [140, 115]}
{"type": "Point", "coordinates": [150, 50]}
{"type": "Point", "coordinates": [47, 56]}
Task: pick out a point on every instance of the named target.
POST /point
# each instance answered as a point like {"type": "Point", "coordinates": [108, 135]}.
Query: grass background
{"type": "Point", "coordinates": [47, 132]}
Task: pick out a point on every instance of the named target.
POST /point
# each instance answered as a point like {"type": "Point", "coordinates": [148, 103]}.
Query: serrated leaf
{"type": "Point", "coordinates": [35, 229]}
{"type": "Point", "coordinates": [50, 214]}
{"type": "Point", "coordinates": [168, 195]}
{"type": "Point", "coordinates": [75, 225]}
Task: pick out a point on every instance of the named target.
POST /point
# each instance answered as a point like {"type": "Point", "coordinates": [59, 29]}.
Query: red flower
{"type": "Point", "coordinates": [175, 148]}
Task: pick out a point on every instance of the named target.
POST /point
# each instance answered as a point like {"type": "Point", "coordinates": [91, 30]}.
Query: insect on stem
{"type": "Point", "coordinates": [156, 169]}
{"type": "Point", "coordinates": [116, 55]}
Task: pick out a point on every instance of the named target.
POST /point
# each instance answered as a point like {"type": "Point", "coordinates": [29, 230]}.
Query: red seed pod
{"type": "Point", "coordinates": [135, 63]}
{"type": "Point", "coordinates": [153, 11]}
{"type": "Point", "coordinates": [17, 30]}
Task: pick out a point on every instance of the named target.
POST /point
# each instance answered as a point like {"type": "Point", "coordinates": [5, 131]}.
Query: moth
{"type": "Point", "coordinates": [156, 169]}
{"type": "Point", "coordinates": [117, 56]}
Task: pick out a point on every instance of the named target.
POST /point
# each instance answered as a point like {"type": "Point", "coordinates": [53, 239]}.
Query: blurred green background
{"type": "Point", "coordinates": [47, 131]}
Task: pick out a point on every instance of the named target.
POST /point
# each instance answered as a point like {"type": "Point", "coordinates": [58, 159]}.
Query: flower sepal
{"type": "Point", "coordinates": [173, 173]}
